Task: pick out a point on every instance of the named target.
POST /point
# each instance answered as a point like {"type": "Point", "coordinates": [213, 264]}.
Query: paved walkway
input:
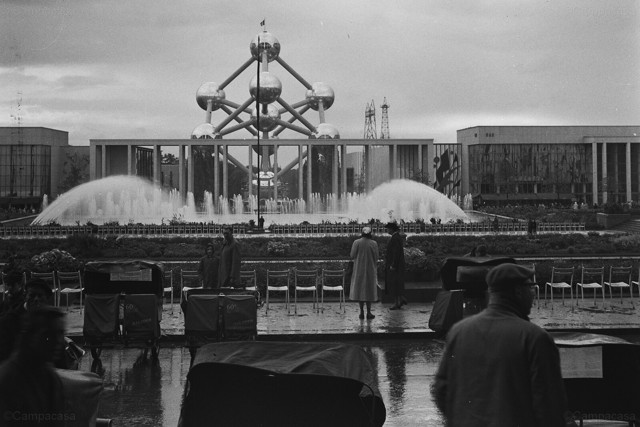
{"type": "Point", "coordinates": [333, 323]}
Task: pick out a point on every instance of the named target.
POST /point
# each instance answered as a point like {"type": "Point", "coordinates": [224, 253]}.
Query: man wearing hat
{"type": "Point", "coordinates": [394, 266]}
{"type": "Point", "coordinates": [499, 369]}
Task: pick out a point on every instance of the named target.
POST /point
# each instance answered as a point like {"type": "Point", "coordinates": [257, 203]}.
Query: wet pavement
{"type": "Point", "coordinates": [402, 348]}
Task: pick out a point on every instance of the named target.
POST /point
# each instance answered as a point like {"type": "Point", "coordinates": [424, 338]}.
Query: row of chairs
{"type": "Point", "coordinates": [313, 281]}
{"type": "Point", "coordinates": [594, 278]}
{"type": "Point", "coordinates": [61, 283]}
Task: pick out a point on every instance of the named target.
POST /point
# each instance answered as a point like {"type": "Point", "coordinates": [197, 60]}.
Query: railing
{"type": "Point", "coordinates": [506, 227]}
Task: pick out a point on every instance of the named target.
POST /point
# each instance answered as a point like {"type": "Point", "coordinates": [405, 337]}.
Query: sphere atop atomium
{"type": "Point", "coordinates": [204, 131]}
{"type": "Point", "coordinates": [320, 92]}
{"type": "Point", "coordinates": [326, 131]}
{"type": "Point", "coordinates": [210, 91]}
{"type": "Point", "coordinates": [270, 87]}
{"type": "Point", "coordinates": [268, 120]}
{"type": "Point", "coordinates": [267, 42]}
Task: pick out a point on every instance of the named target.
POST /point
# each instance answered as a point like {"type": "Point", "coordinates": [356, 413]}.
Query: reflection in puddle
{"type": "Point", "coordinates": [142, 393]}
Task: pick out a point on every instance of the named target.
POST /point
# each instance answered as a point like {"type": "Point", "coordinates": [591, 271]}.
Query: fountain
{"type": "Point", "coordinates": [130, 199]}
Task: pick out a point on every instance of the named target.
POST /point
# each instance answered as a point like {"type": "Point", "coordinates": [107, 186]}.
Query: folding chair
{"type": "Point", "coordinates": [168, 280]}
{"type": "Point", "coordinates": [637, 283]}
{"type": "Point", "coordinates": [70, 282]}
{"type": "Point", "coordinates": [305, 281]}
{"type": "Point", "coordinates": [536, 287]}
{"type": "Point", "coordinates": [51, 279]}
{"type": "Point", "coordinates": [620, 277]}
{"type": "Point", "coordinates": [591, 278]}
{"type": "Point", "coordinates": [249, 281]}
{"type": "Point", "coordinates": [333, 281]}
{"type": "Point", "coordinates": [275, 280]}
{"type": "Point", "coordinates": [188, 277]}
{"type": "Point", "coordinates": [561, 278]}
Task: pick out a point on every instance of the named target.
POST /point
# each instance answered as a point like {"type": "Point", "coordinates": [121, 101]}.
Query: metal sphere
{"type": "Point", "coordinates": [320, 92]}
{"type": "Point", "coordinates": [268, 43]}
{"type": "Point", "coordinates": [270, 87]}
{"type": "Point", "coordinates": [204, 131]}
{"type": "Point", "coordinates": [267, 120]}
{"type": "Point", "coordinates": [326, 131]}
{"type": "Point", "coordinates": [210, 91]}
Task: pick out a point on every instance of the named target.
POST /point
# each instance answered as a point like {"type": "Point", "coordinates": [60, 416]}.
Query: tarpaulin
{"type": "Point", "coordinates": [283, 384]}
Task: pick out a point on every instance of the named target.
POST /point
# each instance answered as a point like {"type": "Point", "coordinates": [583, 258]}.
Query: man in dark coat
{"type": "Point", "coordinates": [394, 266]}
{"type": "Point", "coordinates": [229, 269]}
{"type": "Point", "coordinates": [498, 369]}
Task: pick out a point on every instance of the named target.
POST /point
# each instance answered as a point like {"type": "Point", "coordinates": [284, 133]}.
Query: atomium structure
{"type": "Point", "coordinates": [264, 114]}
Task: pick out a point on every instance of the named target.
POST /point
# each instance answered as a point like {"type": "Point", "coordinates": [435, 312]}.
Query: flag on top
{"type": "Point", "coordinates": [262, 23]}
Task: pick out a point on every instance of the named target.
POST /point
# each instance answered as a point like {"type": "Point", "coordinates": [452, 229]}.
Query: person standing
{"type": "Point", "coordinates": [498, 369]}
{"type": "Point", "coordinates": [208, 268]}
{"type": "Point", "coordinates": [229, 269]}
{"type": "Point", "coordinates": [364, 279]}
{"type": "Point", "coordinates": [394, 266]}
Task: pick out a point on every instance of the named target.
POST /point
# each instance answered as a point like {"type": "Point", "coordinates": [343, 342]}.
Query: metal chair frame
{"type": "Point", "coordinates": [332, 274]}
{"type": "Point", "coordinates": [559, 283]}
{"type": "Point", "coordinates": [250, 276]}
{"type": "Point", "coordinates": [591, 278]}
{"type": "Point", "coordinates": [74, 277]}
{"type": "Point", "coordinates": [279, 274]}
{"type": "Point", "coordinates": [620, 277]}
{"type": "Point", "coordinates": [303, 276]}
{"type": "Point", "coordinates": [187, 274]}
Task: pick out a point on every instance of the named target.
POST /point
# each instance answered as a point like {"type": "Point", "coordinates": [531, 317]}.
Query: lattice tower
{"type": "Point", "coordinates": [370, 122]}
{"type": "Point", "coordinates": [384, 126]}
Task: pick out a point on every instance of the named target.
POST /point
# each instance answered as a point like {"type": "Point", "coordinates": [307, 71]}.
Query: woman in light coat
{"type": "Point", "coordinates": [364, 279]}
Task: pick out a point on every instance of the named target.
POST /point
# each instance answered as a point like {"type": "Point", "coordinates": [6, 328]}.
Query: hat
{"type": "Point", "coordinates": [505, 276]}
{"type": "Point", "coordinates": [392, 226]}
{"type": "Point", "coordinates": [39, 283]}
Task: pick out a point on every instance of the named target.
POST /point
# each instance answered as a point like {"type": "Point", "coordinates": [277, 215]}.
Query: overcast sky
{"type": "Point", "coordinates": [130, 69]}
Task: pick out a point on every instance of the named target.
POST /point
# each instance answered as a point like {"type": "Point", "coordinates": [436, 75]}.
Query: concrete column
{"type": "Point", "coordinates": [130, 160]}
{"type": "Point", "coordinates": [627, 171]}
{"type": "Point", "coordinates": [225, 173]}
{"type": "Point", "coordinates": [216, 175]}
{"type": "Point", "coordinates": [614, 180]}
{"type": "Point", "coordinates": [334, 173]}
{"type": "Point", "coordinates": [157, 155]}
{"type": "Point", "coordinates": [366, 156]}
{"type": "Point", "coordinates": [182, 182]}
{"type": "Point", "coordinates": [300, 174]}
{"type": "Point", "coordinates": [250, 174]}
{"type": "Point", "coordinates": [605, 184]}
{"type": "Point", "coordinates": [309, 177]}
{"type": "Point", "coordinates": [103, 161]}
{"type": "Point", "coordinates": [419, 164]}
{"type": "Point", "coordinates": [93, 162]}
{"type": "Point", "coordinates": [594, 169]}
{"type": "Point", "coordinates": [275, 172]}
{"type": "Point", "coordinates": [343, 169]}
{"type": "Point", "coordinates": [191, 171]}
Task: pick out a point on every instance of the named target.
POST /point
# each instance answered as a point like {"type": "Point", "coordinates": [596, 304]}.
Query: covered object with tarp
{"type": "Point", "coordinates": [124, 302]}
{"type": "Point", "coordinates": [601, 374]}
{"type": "Point", "coordinates": [282, 384]}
